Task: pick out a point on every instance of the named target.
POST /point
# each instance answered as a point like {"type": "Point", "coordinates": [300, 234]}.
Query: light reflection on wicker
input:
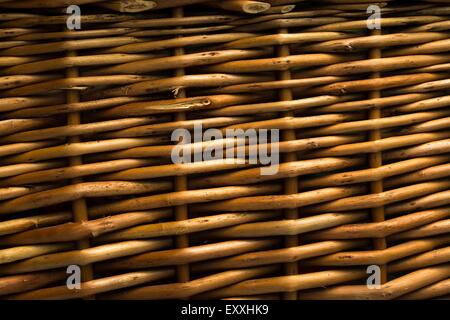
{"type": "Point", "coordinates": [86, 176]}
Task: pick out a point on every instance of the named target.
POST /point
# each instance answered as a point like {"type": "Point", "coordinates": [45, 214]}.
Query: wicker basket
{"type": "Point", "coordinates": [87, 176]}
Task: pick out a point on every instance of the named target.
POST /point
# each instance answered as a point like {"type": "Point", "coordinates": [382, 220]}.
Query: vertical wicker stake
{"type": "Point", "coordinates": [291, 184]}
{"type": "Point", "coordinates": [79, 207]}
{"type": "Point", "coordinates": [375, 159]}
{"type": "Point", "coordinates": [181, 212]}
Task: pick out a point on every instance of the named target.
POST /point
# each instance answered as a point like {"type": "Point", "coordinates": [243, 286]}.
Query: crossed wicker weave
{"type": "Point", "coordinates": [86, 176]}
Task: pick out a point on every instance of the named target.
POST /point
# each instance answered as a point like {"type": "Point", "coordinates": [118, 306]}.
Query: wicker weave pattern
{"type": "Point", "coordinates": [86, 176]}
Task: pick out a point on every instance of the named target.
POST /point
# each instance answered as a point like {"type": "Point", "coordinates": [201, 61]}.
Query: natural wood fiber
{"type": "Point", "coordinates": [87, 178]}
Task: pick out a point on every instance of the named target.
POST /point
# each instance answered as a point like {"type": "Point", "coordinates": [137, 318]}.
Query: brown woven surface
{"type": "Point", "coordinates": [86, 176]}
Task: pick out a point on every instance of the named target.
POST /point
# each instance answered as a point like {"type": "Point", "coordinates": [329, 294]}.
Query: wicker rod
{"type": "Point", "coordinates": [79, 206]}
{"type": "Point", "coordinates": [291, 184]}
{"type": "Point", "coordinates": [85, 124]}
{"type": "Point", "coordinates": [181, 184]}
{"type": "Point", "coordinates": [376, 159]}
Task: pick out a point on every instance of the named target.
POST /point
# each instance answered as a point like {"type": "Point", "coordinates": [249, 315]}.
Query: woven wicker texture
{"type": "Point", "coordinates": [86, 176]}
